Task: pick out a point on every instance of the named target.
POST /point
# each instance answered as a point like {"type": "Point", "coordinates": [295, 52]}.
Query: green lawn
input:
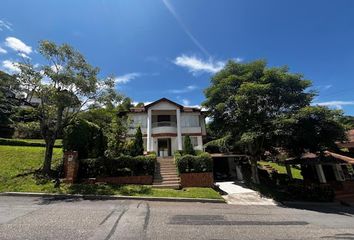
{"type": "Point", "coordinates": [140, 190]}
{"type": "Point", "coordinates": [281, 169]}
{"type": "Point", "coordinates": [16, 161]}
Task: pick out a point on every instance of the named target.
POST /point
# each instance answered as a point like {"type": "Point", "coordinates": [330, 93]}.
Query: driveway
{"type": "Point", "coordinates": [239, 194]}
{"type": "Point", "coordinates": [46, 218]}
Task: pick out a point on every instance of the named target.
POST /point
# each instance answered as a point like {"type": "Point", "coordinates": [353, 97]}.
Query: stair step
{"type": "Point", "coordinates": [165, 183]}
{"type": "Point", "coordinates": [166, 175]}
{"type": "Point", "coordinates": [172, 186]}
{"type": "Point", "coordinates": [167, 179]}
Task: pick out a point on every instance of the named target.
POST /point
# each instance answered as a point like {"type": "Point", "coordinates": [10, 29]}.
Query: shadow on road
{"type": "Point", "coordinates": [322, 208]}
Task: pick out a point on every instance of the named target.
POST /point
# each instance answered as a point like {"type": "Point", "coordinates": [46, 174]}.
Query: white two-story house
{"type": "Point", "coordinates": [164, 124]}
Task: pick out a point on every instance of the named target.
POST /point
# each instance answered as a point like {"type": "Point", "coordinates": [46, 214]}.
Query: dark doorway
{"type": "Point", "coordinates": [164, 147]}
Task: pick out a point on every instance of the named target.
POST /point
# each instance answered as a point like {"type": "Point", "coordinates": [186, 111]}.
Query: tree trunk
{"type": "Point", "coordinates": [47, 164]}
{"type": "Point", "coordinates": [254, 169]}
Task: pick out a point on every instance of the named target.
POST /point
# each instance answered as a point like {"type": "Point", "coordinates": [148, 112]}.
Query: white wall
{"type": "Point", "coordinates": [163, 106]}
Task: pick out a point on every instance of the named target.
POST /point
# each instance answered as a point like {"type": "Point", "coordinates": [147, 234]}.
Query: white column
{"type": "Point", "coordinates": [239, 173]}
{"type": "Point", "coordinates": [338, 172]}
{"type": "Point", "coordinates": [288, 170]}
{"type": "Point", "coordinates": [200, 142]}
{"type": "Point", "coordinates": [179, 132]}
{"type": "Point", "coordinates": [149, 140]}
{"type": "Point", "coordinates": [320, 173]}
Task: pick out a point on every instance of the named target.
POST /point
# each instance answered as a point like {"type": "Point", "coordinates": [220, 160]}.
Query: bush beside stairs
{"type": "Point", "coordinates": [166, 174]}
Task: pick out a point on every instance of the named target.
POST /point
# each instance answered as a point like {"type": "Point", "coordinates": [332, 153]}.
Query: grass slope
{"type": "Point", "coordinates": [16, 160]}
{"type": "Point", "coordinates": [281, 169]}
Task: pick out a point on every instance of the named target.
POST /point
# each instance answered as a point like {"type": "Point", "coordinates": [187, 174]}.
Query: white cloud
{"type": "Point", "coordinates": [328, 86]}
{"type": "Point", "coordinates": [17, 45]}
{"type": "Point", "coordinates": [185, 102]}
{"type": "Point", "coordinates": [335, 104]}
{"type": "Point", "coordinates": [145, 103]}
{"type": "Point", "coordinates": [238, 59]}
{"type": "Point", "coordinates": [23, 55]}
{"type": "Point", "coordinates": [183, 90]}
{"type": "Point", "coordinates": [195, 65]}
{"type": "Point", "coordinates": [126, 77]}
{"type": "Point", "coordinates": [3, 51]}
{"type": "Point", "coordinates": [10, 66]}
{"type": "Point", "coordinates": [4, 25]}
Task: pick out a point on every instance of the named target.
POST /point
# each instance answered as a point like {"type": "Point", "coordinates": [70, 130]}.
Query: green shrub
{"type": "Point", "coordinates": [138, 143]}
{"type": "Point", "coordinates": [190, 163]}
{"type": "Point", "coordinates": [25, 142]}
{"type": "Point", "coordinates": [92, 167]}
{"type": "Point", "coordinates": [6, 130]}
{"type": "Point", "coordinates": [188, 147]}
{"type": "Point", "coordinates": [27, 130]}
{"type": "Point", "coordinates": [120, 166]}
{"type": "Point", "coordinates": [85, 137]}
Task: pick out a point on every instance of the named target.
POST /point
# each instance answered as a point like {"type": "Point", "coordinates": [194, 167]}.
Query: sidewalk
{"type": "Point", "coordinates": [239, 194]}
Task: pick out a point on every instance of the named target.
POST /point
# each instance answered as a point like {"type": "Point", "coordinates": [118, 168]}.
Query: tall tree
{"type": "Point", "coordinates": [245, 100]}
{"type": "Point", "coordinates": [188, 147]}
{"type": "Point", "coordinates": [313, 129]}
{"type": "Point", "coordinates": [138, 144]}
{"type": "Point", "coordinates": [65, 84]}
{"type": "Point", "coordinates": [8, 102]}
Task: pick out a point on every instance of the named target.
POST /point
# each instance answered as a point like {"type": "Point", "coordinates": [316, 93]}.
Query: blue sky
{"type": "Point", "coordinates": [169, 48]}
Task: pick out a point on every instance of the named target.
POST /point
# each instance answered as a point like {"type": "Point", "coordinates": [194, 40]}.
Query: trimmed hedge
{"type": "Point", "coordinates": [84, 137]}
{"type": "Point", "coordinates": [194, 164]}
{"type": "Point", "coordinates": [115, 167]}
{"type": "Point", "coordinates": [20, 142]}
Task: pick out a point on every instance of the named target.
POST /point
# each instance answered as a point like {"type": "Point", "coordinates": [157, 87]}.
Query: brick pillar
{"type": "Point", "coordinates": [71, 166]}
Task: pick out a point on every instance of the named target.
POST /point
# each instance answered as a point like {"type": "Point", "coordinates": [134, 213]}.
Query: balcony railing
{"type": "Point", "coordinates": [164, 124]}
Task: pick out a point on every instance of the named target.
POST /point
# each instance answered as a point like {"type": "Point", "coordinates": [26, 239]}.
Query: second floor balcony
{"type": "Point", "coordinates": [164, 127]}
{"type": "Point", "coordinates": [164, 124]}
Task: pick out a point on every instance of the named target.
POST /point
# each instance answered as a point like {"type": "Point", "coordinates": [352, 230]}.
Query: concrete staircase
{"type": "Point", "coordinates": [166, 174]}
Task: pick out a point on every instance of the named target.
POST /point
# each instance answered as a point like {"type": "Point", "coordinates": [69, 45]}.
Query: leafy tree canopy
{"type": "Point", "coordinates": [312, 129]}
{"type": "Point", "coordinates": [244, 99]}
{"type": "Point", "coordinates": [65, 84]}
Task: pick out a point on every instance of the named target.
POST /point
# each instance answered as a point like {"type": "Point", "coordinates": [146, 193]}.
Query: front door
{"type": "Point", "coordinates": [164, 147]}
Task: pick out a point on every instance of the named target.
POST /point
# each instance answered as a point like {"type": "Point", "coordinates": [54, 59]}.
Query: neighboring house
{"type": "Point", "coordinates": [164, 124]}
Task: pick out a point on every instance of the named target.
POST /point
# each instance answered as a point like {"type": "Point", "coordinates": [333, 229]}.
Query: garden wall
{"type": "Point", "coordinates": [145, 180]}
{"type": "Point", "coordinates": [204, 179]}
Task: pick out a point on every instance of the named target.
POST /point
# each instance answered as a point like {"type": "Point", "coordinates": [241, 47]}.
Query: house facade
{"type": "Point", "coordinates": [164, 125]}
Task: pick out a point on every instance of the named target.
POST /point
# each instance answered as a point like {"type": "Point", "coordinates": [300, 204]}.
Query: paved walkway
{"type": "Point", "coordinates": [239, 194]}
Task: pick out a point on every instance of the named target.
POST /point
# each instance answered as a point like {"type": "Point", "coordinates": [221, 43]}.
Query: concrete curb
{"type": "Point", "coordinates": [110, 197]}
{"type": "Point", "coordinates": [315, 204]}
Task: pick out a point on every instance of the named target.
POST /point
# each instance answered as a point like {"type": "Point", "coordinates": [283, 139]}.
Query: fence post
{"type": "Point", "coordinates": [71, 166]}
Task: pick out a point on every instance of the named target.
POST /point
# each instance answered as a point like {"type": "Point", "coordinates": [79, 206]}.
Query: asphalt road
{"type": "Point", "coordinates": [43, 218]}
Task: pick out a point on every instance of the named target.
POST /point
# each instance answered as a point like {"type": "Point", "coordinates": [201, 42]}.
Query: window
{"type": "Point", "coordinates": [163, 118]}
{"type": "Point", "coordinates": [190, 121]}
{"type": "Point", "coordinates": [194, 141]}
